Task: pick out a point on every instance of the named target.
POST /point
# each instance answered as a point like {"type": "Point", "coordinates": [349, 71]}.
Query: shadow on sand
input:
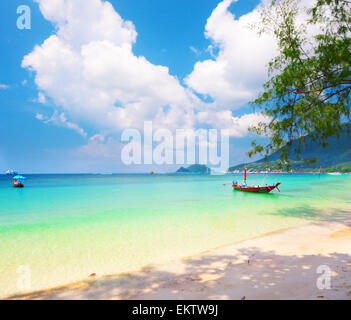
{"type": "Point", "coordinates": [250, 273]}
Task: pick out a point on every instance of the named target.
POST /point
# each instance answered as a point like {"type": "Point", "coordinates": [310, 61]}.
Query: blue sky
{"type": "Point", "coordinates": [169, 33]}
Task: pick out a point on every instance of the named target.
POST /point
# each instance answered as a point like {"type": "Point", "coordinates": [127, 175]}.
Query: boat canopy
{"type": "Point", "coordinates": [19, 177]}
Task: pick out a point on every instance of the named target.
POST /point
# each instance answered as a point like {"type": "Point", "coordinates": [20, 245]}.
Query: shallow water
{"type": "Point", "coordinates": [61, 228]}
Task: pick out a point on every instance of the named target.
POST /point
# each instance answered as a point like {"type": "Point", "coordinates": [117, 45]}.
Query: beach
{"type": "Point", "coordinates": [280, 265]}
{"type": "Point", "coordinates": [175, 150]}
{"type": "Point", "coordinates": [90, 229]}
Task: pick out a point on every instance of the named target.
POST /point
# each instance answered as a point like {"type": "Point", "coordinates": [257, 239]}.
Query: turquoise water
{"type": "Point", "coordinates": [62, 228]}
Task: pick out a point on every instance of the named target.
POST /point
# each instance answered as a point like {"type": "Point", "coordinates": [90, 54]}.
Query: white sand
{"type": "Point", "coordinates": [280, 265]}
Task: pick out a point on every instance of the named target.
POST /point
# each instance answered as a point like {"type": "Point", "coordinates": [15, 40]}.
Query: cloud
{"type": "Point", "coordinates": [238, 71]}
{"type": "Point", "coordinates": [196, 51]}
{"type": "Point", "coordinates": [236, 126]}
{"type": "Point", "coordinates": [41, 98]}
{"type": "Point", "coordinates": [89, 69]}
{"type": "Point", "coordinates": [39, 116]}
{"type": "Point", "coordinates": [4, 86]}
{"type": "Point", "coordinates": [59, 119]}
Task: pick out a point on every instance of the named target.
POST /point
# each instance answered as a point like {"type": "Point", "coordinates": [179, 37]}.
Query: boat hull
{"type": "Point", "coordinates": [256, 189]}
{"type": "Point", "coordinates": [18, 185]}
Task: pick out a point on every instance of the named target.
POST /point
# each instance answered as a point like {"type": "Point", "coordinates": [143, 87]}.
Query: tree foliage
{"type": "Point", "coordinates": [308, 92]}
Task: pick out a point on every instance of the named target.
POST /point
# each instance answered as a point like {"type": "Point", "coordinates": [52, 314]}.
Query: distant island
{"type": "Point", "coordinates": [336, 157]}
{"type": "Point", "coordinates": [195, 168]}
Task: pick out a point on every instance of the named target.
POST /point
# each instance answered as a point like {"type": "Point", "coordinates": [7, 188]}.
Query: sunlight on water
{"type": "Point", "coordinates": [65, 227]}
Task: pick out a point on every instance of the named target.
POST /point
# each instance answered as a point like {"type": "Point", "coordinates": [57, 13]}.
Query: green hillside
{"type": "Point", "coordinates": [336, 156]}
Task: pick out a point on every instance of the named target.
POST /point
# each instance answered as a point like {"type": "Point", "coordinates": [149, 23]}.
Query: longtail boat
{"type": "Point", "coordinates": [263, 189]}
{"type": "Point", "coordinates": [257, 189]}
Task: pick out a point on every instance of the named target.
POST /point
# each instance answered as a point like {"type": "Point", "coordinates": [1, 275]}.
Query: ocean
{"type": "Point", "coordinates": [62, 228]}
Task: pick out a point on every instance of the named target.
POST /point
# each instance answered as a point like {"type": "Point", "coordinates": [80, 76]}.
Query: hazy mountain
{"type": "Point", "coordinates": [336, 156]}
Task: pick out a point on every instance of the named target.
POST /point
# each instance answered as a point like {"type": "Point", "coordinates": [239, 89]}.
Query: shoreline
{"type": "Point", "coordinates": [277, 265]}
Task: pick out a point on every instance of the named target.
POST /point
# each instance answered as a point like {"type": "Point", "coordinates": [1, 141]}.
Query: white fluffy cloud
{"type": "Point", "coordinates": [88, 68]}
{"type": "Point", "coordinates": [236, 74]}
{"type": "Point", "coordinates": [239, 69]}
